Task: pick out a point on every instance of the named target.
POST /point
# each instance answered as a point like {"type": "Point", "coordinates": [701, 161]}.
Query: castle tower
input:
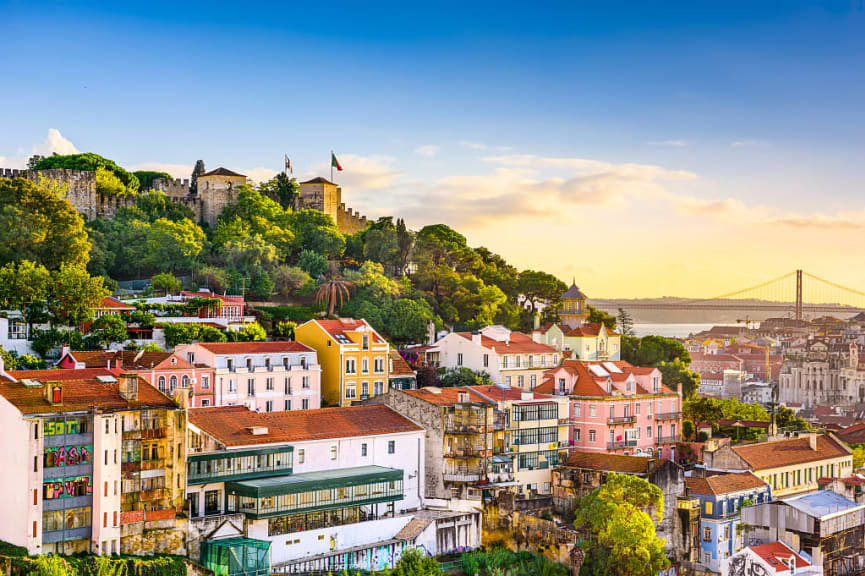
{"type": "Point", "coordinates": [321, 194]}
{"type": "Point", "coordinates": [217, 188]}
{"type": "Point", "coordinates": [574, 312]}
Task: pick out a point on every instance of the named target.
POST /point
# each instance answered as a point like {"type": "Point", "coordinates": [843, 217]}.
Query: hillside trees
{"type": "Point", "coordinates": [127, 181]}
{"type": "Point", "coordinates": [37, 223]}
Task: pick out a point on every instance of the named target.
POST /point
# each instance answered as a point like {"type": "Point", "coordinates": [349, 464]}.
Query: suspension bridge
{"type": "Point", "coordinates": [795, 294]}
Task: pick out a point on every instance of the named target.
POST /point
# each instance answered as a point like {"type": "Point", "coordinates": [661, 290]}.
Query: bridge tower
{"type": "Point", "coordinates": [798, 297]}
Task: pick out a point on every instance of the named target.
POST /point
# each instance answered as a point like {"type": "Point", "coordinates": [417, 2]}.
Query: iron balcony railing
{"type": "Point", "coordinates": [620, 445]}
{"type": "Point", "coordinates": [667, 439]}
{"type": "Point", "coordinates": [668, 416]}
{"type": "Point", "coordinates": [621, 419]}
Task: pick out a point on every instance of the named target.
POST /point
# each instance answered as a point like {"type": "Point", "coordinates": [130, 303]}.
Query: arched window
{"type": "Point", "coordinates": [161, 383]}
{"type": "Point", "coordinates": [173, 382]}
{"type": "Point", "coordinates": [185, 381]}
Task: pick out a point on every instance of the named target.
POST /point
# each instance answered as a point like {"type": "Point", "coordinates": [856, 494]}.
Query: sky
{"type": "Point", "coordinates": [641, 148]}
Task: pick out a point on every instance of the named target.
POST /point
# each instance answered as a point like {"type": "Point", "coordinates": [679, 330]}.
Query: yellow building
{"type": "Point", "coordinates": [353, 359]}
{"type": "Point", "coordinates": [790, 466]}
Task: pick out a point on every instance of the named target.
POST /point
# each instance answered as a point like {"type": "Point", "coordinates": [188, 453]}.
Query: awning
{"type": "Point", "coordinates": [313, 481]}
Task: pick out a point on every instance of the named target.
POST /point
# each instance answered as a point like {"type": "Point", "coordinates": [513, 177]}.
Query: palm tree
{"type": "Point", "coordinates": [332, 291]}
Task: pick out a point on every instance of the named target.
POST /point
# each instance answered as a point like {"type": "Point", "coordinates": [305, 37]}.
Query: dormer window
{"type": "Point", "coordinates": [609, 386]}
{"type": "Point", "coordinates": [364, 342]}
{"type": "Point", "coordinates": [249, 364]}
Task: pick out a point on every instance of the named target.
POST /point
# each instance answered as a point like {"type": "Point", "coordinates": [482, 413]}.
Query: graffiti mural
{"type": "Point", "coordinates": [68, 456]}
{"type": "Point", "coordinates": [671, 571]}
{"type": "Point", "coordinates": [69, 426]}
{"type": "Point", "coordinates": [743, 564]}
{"type": "Point", "coordinates": [67, 487]}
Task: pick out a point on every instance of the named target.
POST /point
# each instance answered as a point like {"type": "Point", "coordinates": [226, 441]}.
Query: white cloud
{"type": "Point", "coordinates": [748, 144]}
{"type": "Point", "coordinates": [472, 145]}
{"type": "Point", "coordinates": [360, 173]}
{"type": "Point", "coordinates": [669, 143]}
{"type": "Point", "coordinates": [428, 151]}
{"type": "Point", "coordinates": [53, 143]}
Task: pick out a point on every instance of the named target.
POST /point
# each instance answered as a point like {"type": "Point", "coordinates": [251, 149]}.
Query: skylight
{"type": "Point", "coordinates": [598, 371]}
{"type": "Point", "coordinates": [612, 368]}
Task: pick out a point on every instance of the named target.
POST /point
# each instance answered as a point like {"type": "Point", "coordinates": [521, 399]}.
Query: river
{"type": "Point", "coordinates": [672, 330]}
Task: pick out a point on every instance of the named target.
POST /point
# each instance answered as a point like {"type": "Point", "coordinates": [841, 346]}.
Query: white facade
{"type": "Point", "coordinates": [265, 381]}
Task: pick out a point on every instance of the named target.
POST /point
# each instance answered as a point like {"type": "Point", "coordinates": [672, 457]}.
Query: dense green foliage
{"type": "Point", "coordinates": [666, 354]}
{"type": "Point", "coordinates": [185, 333]}
{"type": "Point", "coordinates": [146, 178]}
{"type": "Point", "coordinates": [93, 163]}
{"type": "Point", "coordinates": [90, 565]}
{"type": "Point", "coordinates": [502, 561]}
{"type": "Point", "coordinates": [449, 377]}
{"type": "Point", "coordinates": [618, 522]}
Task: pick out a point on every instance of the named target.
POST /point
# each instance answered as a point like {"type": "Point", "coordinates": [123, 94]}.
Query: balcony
{"type": "Point", "coordinates": [239, 464]}
{"type": "Point", "coordinates": [82, 533]}
{"type": "Point", "coordinates": [689, 507]}
{"type": "Point", "coordinates": [454, 426]}
{"type": "Point", "coordinates": [466, 452]}
{"type": "Point", "coordinates": [462, 477]}
{"type": "Point", "coordinates": [153, 433]}
{"type": "Point", "coordinates": [621, 445]}
{"type": "Point", "coordinates": [668, 439]}
{"type": "Point", "coordinates": [668, 416]}
{"type": "Point", "coordinates": [153, 464]}
{"type": "Point", "coordinates": [155, 494]}
{"type": "Point", "coordinates": [621, 420]}
{"type": "Point", "coordinates": [55, 440]}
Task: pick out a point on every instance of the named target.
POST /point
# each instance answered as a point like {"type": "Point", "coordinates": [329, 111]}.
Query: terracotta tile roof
{"type": "Point", "coordinates": [109, 303]}
{"type": "Point", "coordinates": [127, 359]}
{"type": "Point", "coordinates": [765, 455]}
{"type": "Point", "coordinates": [587, 330]}
{"type": "Point", "coordinates": [230, 425]}
{"type": "Point", "coordinates": [400, 366]}
{"type": "Point", "coordinates": [519, 344]}
{"type": "Point", "coordinates": [343, 325]}
{"type": "Point", "coordinates": [445, 396]}
{"type": "Point", "coordinates": [205, 294]}
{"type": "Point", "coordinates": [590, 384]}
{"type": "Point", "coordinates": [497, 393]}
{"type": "Point", "coordinates": [775, 553]}
{"type": "Point", "coordinates": [723, 484]}
{"type": "Point", "coordinates": [222, 172]}
{"type": "Point", "coordinates": [318, 180]}
{"type": "Point", "coordinates": [854, 434]}
{"type": "Point", "coordinates": [611, 462]}
{"type": "Point", "coordinates": [283, 347]}
{"type": "Point", "coordinates": [81, 391]}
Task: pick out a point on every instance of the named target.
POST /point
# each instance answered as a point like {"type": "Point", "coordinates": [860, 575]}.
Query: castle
{"type": "Point", "coordinates": [216, 189]}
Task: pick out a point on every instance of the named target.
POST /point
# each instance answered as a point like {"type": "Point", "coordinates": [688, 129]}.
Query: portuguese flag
{"type": "Point", "coordinates": [334, 163]}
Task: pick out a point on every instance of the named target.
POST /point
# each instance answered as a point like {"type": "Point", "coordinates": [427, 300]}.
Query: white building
{"type": "Point", "coordinates": [510, 358]}
{"type": "Point", "coordinates": [773, 559]}
{"type": "Point", "coordinates": [263, 376]}
{"type": "Point", "coordinates": [331, 489]}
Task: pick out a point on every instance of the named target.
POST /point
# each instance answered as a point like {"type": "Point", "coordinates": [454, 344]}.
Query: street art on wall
{"type": "Point", "coordinates": [68, 426]}
{"type": "Point", "coordinates": [67, 487]}
{"type": "Point", "coordinates": [68, 456]}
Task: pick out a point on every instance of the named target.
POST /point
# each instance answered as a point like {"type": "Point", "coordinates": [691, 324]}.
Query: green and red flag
{"type": "Point", "coordinates": [334, 163]}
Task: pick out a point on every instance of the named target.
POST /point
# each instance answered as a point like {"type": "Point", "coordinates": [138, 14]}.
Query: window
{"type": "Point", "coordinates": [268, 384]}
{"type": "Point", "coordinates": [648, 432]}
{"type": "Point", "coordinates": [592, 435]}
{"type": "Point", "coordinates": [268, 406]}
{"type": "Point", "coordinates": [288, 404]}
{"type": "Point", "coordinates": [300, 456]}
{"type": "Point", "coordinates": [351, 392]}
{"type": "Point", "coordinates": [363, 449]}
{"type": "Point", "coordinates": [459, 359]}
{"type": "Point", "coordinates": [504, 361]}
{"type": "Point", "coordinates": [576, 434]}
{"type": "Point", "coordinates": [708, 507]}
{"type": "Point", "coordinates": [707, 533]}
{"type": "Point", "coordinates": [267, 363]}
{"type": "Point", "coordinates": [378, 387]}
{"type": "Point", "coordinates": [612, 412]}
{"type": "Point", "coordinates": [304, 404]}
{"type": "Point", "coordinates": [185, 381]}
{"type": "Point", "coordinates": [727, 532]}
{"type": "Point", "coordinates": [508, 380]}
{"type": "Point", "coordinates": [593, 410]}
{"type": "Point", "coordinates": [379, 365]}
{"type": "Point", "coordinates": [486, 360]}
{"type": "Point", "coordinates": [250, 386]}
{"type": "Point", "coordinates": [249, 364]}
{"type": "Point", "coordinates": [205, 402]}
{"type": "Point", "coordinates": [350, 366]}
{"type": "Point", "coordinates": [534, 380]}
{"type": "Point", "coordinates": [391, 446]}
{"type": "Point", "coordinates": [364, 389]}
{"type": "Point", "coordinates": [173, 383]}
{"type": "Point", "coordinates": [333, 452]}
{"type": "Point", "coordinates": [364, 366]}
{"type": "Point", "coordinates": [577, 409]}
{"type": "Point", "coordinates": [520, 381]}
{"type": "Point", "coordinates": [286, 384]}
{"type": "Point", "coordinates": [229, 363]}
{"type": "Point", "coordinates": [304, 382]}
{"type": "Point", "coordinates": [232, 387]}
{"type": "Point", "coordinates": [364, 340]}
{"type": "Point", "coordinates": [161, 383]}
{"type": "Point", "coordinates": [517, 361]}
{"type": "Point", "coordinates": [205, 382]}
{"type": "Point", "coordinates": [637, 409]}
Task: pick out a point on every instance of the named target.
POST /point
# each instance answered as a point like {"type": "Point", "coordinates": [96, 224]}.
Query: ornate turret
{"type": "Point", "coordinates": [573, 311]}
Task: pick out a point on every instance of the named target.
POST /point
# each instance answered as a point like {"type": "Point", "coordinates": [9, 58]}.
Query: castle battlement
{"type": "Point", "coordinates": [175, 188]}
{"type": "Point", "coordinates": [11, 173]}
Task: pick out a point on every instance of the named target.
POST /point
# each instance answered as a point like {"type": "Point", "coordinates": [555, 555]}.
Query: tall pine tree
{"type": "Point", "coordinates": [196, 172]}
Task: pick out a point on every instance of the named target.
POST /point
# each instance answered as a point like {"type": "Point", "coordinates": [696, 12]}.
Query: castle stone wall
{"type": "Point", "coordinates": [348, 221]}
{"type": "Point", "coordinates": [176, 188]}
{"type": "Point", "coordinates": [81, 191]}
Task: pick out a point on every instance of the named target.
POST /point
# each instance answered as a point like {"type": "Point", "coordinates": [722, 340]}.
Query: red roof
{"type": "Point", "coordinates": [81, 391]}
{"type": "Point", "coordinates": [222, 172]}
{"type": "Point", "coordinates": [231, 425]}
{"type": "Point", "coordinates": [789, 452]}
{"type": "Point", "coordinates": [498, 394]}
{"type": "Point", "coordinates": [400, 366]}
{"type": "Point", "coordinates": [126, 359]}
{"type": "Point", "coordinates": [723, 483]}
{"type": "Point", "coordinates": [612, 462]}
{"type": "Point", "coordinates": [206, 294]}
{"type": "Point", "coordinates": [588, 330]}
{"type": "Point", "coordinates": [283, 347]}
{"type": "Point", "coordinates": [518, 343]}
{"type": "Point", "coordinates": [590, 384]}
{"type": "Point", "coordinates": [343, 325]}
{"type": "Point", "coordinates": [109, 303]}
{"type": "Point", "coordinates": [775, 554]}
{"type": "Point", "coordinates": [445, 396]}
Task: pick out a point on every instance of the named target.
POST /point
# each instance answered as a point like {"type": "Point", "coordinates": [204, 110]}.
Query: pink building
{"type": "Point", "coordinates": [617, 408]}
{"type": "Point", "coordinates": [263, 376]}
{"type": "Point", "coordinates": [166, 371]}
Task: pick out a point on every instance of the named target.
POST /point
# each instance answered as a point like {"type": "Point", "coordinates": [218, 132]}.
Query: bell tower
{"type": "Point", "coordinates": [573, 311]}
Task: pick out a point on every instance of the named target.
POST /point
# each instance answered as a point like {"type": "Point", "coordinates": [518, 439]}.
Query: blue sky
{"type": "Point", "coordinates": [676, 134]}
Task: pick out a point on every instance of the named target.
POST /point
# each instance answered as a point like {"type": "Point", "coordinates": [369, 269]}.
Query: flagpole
{"type": "Point", "coordinates": [331, 165]}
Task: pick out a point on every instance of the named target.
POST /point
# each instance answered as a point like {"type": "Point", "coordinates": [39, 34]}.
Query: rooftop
{"type": "Point", "coordinates": [337, 328]}
{"type": "Point", "coordinates": [82, 391]}
{"type": "Point", "coordinates": [283, 347]}
{"type": "Point", "coordinates": [611, 462]}
{"type": "Point", "coordinates": [788, 452]}
{"type": "Point", "coordinates": [109, 303]}
{"type": "Point", "coordinates": [518, 343]}
{"type": "Point", "coordinates": [222, 172]}
{"type": "Point", "coordinates": [400, 366]}
{"type": "Point", "coordinates": [724, 484]}
{"type": "Point", "coordinates": [128, 359]}
{"type": "Point", "coordinates": [445, 396]}
{"type": "Point", "coordinates": [319, 180]}
{"type": "Point", "coordinates": [574, 293]}
{"type": "Point", "coordinates": [822, 504]}
{"type": "Point", "coordinates": [775, 554]}
{"type": "Point", "coordinates": [232, 425]}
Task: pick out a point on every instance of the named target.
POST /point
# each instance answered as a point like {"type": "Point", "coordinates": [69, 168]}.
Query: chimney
{"type": "Point", "coordinates": [476, 338]}
{"type": "Point", "coordinates": [812, 440]}
{"type": "Point", "coordinates": [53, 393]}
{"type": "Point", "coordinates": [431, 332]}
{"type": "Point", "coordinates": [527, 395]}
{"type": "Point", "coordinates": [537, 320]}
{"type": "Point", "coordinates": [128, 387]}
